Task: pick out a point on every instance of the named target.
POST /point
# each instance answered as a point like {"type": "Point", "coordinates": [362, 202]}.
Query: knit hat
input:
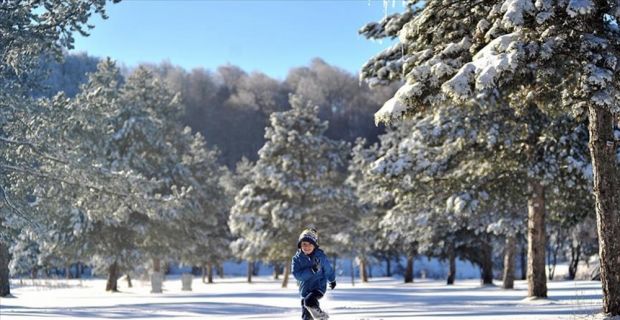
{"type": "Point", "coordinates": [309, 235]}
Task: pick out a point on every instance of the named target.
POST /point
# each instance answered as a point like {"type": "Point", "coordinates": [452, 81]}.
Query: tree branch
{"type": "Point", "coordinates": [13, 207]}
{"type": "Point", "coordinates": [34, 148]}
{"type": "Point", "coordinates": [72, 183]}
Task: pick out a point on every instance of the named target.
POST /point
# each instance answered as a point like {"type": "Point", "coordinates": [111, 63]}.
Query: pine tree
{"type": "Point", "coordinates": [204, 224]}
{"type": "Point", "coordinates": [477, 59]}
{"type": "Point", "coordinates": [115, 219]}
{"type": "Point", "coordinates": [365, 214]}
{"type": "Point", "coordinates": [295, 184]}
{"type": "Point", "coordinates": [44, 27]}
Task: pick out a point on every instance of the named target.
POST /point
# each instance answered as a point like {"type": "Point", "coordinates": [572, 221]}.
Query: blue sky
{"type": "Point", "coordinates": [267, 36]}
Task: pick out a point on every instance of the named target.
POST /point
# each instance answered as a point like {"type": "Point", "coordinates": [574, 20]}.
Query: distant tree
{"type": "Point", "coordinates": [204, 223]}
{"type": "Point", "coordinates": [66, 75]}
{"type": "Point", "coordinates": [342, 101]}
{"type": "Point", "coordinates": [367, 213]}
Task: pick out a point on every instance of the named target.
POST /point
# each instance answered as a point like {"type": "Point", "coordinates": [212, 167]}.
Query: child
{"type": "Point", "coordinates": [312, 270]}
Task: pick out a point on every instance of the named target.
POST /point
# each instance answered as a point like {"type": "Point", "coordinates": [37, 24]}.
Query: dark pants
{"type": "Point", "coordinates": [310, 300]}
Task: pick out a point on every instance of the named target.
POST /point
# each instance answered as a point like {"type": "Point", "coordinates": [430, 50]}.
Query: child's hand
{"type": "Point", "coordinates": [316, 266]}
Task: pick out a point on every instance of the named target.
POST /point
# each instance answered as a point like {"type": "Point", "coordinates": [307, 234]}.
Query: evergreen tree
{"type": "Point", "coordinates": [44, 27]}
{"type": "Point", "coordinates": [472, 59]}
{"type": "Point", "coordinates": [204, 226]}
{"type": "Point", "coordinates": [115, 219]}
{"type": "Point", "coordinates": [295, 184]}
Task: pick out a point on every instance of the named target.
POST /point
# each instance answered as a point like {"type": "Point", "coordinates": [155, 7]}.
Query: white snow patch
{"type": "Point", "coordinates": [233, 298]}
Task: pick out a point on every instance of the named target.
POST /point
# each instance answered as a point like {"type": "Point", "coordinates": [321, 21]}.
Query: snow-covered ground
{"type": "Point", "coordinates": [232, 298]}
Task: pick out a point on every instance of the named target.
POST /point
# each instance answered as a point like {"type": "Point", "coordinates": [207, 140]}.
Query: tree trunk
{"type": "Point", "coordinates": [5, 258]}
{"type": "Point", "coordinates": [388, 267]}
{"type": "Point", "coordinates": [606, 173]}
{"type": "Point", "coordinates": [250, 271]}
{"type": "Point", "coordinates": [129, 285]}
{"type": "Point", "coordinates": [156, 265]}
{"type": "Point", "coordinates": [209, 272]}
{"type": "Point", "coordinates": [287, 270]}
{"type": "Point", "coordinates": [523, 263]}
{"type": "Point", "coordinates": [204, 272]}
{"type": "Point", "coordinates": [536, 280]}
{"type": "Point", "coordinates": [575, 256]}
{"type": "Point", "coordinates": [352, 273]}
{"type": "Point", "coordinates": [362, 269]}
{"type": "Point", "coordinates": [220, 270]}
{"type": "Point", "coordinates": [552, 260]}
{"type": "Point", "coordinates": [256, 268]}
{"type": "Point", "coordinates": [112, 277]}
{"type": "Point", "coordinates": [452, 263]}
{"type": "Point", "coordinates": [486, 267]}
{"type": "Point", "coordinates": [276, 271]}
{"type": "Point", "coordinates": [68, 271]}
{"type": "Point", "coordinates": [78, 270]}
{"type": "Point", "coordinates": [509, 262]}
{"type": "Point", "coordinates": [34, 273]}
{"type": "Point", "coordinates": [409, 269]}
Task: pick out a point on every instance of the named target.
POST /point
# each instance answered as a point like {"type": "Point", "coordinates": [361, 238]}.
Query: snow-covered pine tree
{"type": "Point", "coordinates": [460, 50]}
{"type": "Point", "coordinates": [25, 254]}
{"type": "Point", "coordinates": [128, 131]}
{"type": "Point", "coordinates": [145, 140]}
{"type": "Point", "coordinates": [366, 213]}
{"type": "Point", "coordinates": [296, 183]}
{"type": "Point", "coordinates": [465, 158]}
{"type": "Point", "coordinates": [233, 182]}
{"type": "Point", "coordinates": [378, 195]}
{"type": "Point", "coordinates": [444, 171]}
{"type": "Point", "coordinates": [113, 217]}
{"type": "Point", "coordinates": [45, 27]}
{"type": "Point", "coordinates": [204, 224]}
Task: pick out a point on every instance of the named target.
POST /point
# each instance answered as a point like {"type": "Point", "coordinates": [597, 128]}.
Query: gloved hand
{"type": "Point", "coordinates": [316, 266]}
{"type": "Point", "coordinates": [332, 285]}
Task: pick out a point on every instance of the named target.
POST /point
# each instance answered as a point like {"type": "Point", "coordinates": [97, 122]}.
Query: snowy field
{"type": "Point", "coordinates": [232, 298]}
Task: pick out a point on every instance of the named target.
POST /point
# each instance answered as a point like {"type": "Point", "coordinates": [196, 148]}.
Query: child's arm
{"type": "Point", "coordinates": [300, 273]}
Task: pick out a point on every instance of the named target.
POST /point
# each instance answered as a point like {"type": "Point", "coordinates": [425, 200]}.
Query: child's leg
{"type": "Point", "coordinates": [312, 299]}
{"type": "Point", "coordinates": [311, 303]}
{"type": "Point", "coordinates": [305, 314]}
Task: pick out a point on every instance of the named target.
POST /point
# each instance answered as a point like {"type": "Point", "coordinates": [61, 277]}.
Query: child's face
{"type": "Point", "coordinates": [307, 247]}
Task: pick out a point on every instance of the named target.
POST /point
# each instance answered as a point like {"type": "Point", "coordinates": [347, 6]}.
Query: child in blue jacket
{"type": "Point", "coordinates": [312, 270]}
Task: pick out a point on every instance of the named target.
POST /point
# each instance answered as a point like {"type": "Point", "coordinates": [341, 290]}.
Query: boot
{"type": "Point", "coordinates": [317, 313]}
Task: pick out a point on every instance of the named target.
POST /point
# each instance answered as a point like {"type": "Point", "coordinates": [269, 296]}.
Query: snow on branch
{"type": "Point", "coordinates": [13, 207]}
{"type": "Point", "coordinates": [34, 148]}
{"type": "Point", "coordinates": [577, 7]}
{"type": "Point", "coordinates": [392, 109]}
{"type": "Point", "coordinates": [497, 58]}
{"type": "Point", "coordinates": [388, 26]}
{"type": "Point", "coordinates": [514, 12]}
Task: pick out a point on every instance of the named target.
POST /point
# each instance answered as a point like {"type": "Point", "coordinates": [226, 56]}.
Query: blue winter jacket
{"type": "Point", "coordinates": [309, 280]}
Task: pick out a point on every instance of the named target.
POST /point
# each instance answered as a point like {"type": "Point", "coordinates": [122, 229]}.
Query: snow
{"type": "Point", "coordinates": [576, 7]}
{"type": "Point", "coordinates": [515, 10]}
{"type": "Point", "coordinates": [489, 64]}
{"type": "Point", "coordinates": [232, 298]}
{"type": "Point", "coordinates": [392, 109]}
